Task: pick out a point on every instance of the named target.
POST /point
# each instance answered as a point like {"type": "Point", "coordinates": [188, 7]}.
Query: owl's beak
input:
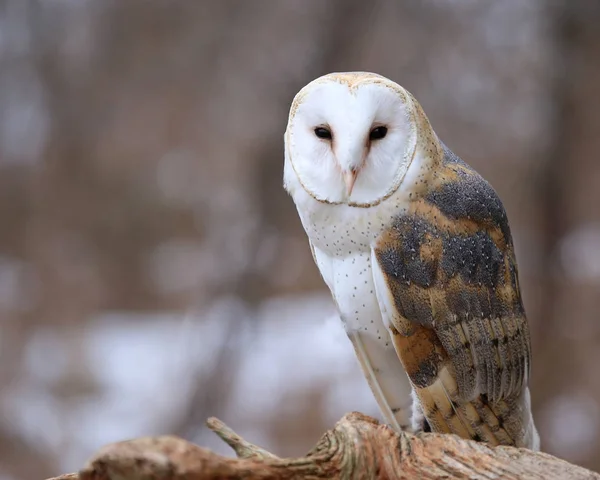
{"type": "Point", "coordinates": [349, 179]}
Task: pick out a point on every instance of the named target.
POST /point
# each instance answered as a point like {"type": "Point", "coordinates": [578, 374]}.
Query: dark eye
{"type": "Point", "coordinates": [378, 133]}
{"type": "Point", "coordinates": [323, 132]}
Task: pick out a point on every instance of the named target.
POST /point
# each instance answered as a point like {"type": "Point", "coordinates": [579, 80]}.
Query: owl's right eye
{"type": "Point", "coordinates": [323, 132]}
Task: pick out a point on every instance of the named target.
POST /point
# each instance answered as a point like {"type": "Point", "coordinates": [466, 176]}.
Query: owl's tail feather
{"type": "Point", "coordinates": [506, 422]}
{"type": "Point", "coordinates": [444, 414]}
{"type": "Point", "coordinates": [509, 419]}
{"type": "Point", "coordinates": [385, 375]}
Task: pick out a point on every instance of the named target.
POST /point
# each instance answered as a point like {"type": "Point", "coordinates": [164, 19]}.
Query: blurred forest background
{"type": "Point", "coordinates": [152, 270]}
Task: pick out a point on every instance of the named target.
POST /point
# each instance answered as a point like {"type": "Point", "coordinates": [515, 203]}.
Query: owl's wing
{"type": "Point", "coordinates": [447, 283]}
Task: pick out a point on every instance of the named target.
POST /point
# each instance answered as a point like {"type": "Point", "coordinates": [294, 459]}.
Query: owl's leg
{"type": "Point", "coordinates": [418, 420]}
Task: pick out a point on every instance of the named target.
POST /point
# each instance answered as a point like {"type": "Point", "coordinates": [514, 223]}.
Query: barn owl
{"type": "Point", "coordinates": [416, 250]}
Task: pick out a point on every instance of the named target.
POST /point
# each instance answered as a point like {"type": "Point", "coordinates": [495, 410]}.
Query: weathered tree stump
{"type": "Point", "coordinates": [358, 447]}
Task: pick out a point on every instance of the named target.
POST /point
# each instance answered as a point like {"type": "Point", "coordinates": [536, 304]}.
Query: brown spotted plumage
{"type": "Point", "coordinates": [416, 250]}
{"type": "Point", "coordinates": [459, 325]}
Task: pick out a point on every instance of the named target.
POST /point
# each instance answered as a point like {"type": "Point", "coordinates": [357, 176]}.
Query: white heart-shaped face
{"type": "Point", "coordinates": [350, 138]}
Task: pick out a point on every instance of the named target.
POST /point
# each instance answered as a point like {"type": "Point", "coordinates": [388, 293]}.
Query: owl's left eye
{"type": "Point", "coordinates": [323, 132]}
{"type": "Point", "coordinates": [378, 133]}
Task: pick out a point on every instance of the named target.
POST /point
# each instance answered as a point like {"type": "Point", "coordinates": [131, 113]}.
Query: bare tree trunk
{"type": "Point", "coordinates": [357, 447]}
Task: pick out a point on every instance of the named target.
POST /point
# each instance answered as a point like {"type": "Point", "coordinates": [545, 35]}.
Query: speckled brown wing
{"type": "Point", "coordinates": [448, 281]}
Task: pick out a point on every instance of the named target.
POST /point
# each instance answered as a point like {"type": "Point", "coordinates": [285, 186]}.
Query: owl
{"type": "Point", "coordinates": [416, 250]}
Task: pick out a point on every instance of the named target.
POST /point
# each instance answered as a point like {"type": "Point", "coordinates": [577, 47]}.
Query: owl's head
{"type": "Point", "coordinates": [350, 138]}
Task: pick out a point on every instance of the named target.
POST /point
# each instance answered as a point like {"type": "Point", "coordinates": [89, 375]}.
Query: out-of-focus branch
{"type": "Point", "coordinates": [358, 447]}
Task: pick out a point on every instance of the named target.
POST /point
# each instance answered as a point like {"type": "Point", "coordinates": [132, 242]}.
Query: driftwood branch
{"type": "Point", "coordinates": [358, 447]}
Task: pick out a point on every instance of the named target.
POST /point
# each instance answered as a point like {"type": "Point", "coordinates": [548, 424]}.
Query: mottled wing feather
{"type": "Point", "coordinates": [448, 279]}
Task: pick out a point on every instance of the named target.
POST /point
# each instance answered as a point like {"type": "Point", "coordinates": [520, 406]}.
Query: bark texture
{"type": "Point", "coordinates": [358, 447]}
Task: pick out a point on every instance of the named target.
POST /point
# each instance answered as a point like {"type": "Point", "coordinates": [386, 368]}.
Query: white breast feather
{"type": "Point", "coordinates": [350, 281]}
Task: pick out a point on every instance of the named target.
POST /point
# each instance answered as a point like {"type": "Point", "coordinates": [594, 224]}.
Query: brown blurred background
{"type": "Point", "coordinates": [152, 270]}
